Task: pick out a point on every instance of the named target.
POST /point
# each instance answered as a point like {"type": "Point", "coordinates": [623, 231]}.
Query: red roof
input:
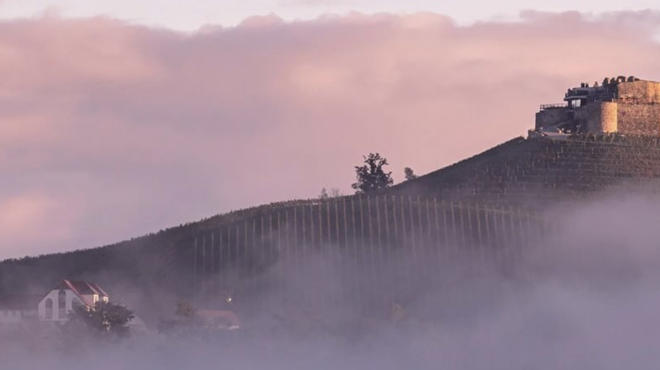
{"type": "Point", "coordinates": [81, 288]}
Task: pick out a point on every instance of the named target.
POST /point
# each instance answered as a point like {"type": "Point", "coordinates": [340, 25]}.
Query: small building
{"type": "Point", "coordinates": [62, 299]}
{"type": "Point", "coordinates": [625, 105]}
{"type": "Point", "coordinates": [16, 308]}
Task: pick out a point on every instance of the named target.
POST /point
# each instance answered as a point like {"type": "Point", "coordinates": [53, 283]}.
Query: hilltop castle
{"type": "Point", "coordinates": [619, 105]}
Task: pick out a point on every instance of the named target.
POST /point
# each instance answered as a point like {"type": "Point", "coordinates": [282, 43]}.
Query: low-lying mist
{"type": "Point", "coordinates": [587, 296]}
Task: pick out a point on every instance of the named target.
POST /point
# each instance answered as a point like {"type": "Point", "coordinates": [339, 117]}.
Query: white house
{"type": "Point", "coordinates": [61, 300]}
{"type": "Point", "coordinates": [15, 308]}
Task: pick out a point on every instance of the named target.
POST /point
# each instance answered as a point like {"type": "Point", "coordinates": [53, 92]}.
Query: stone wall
{"type": "Point", "coordinates": [639, 119]}
{"type": "Point", "coordinates": [631, 118]}
{"type": "Point", "coordinates": [583, 115]}
{"type": "Point", "coordinates": [639, 108]}
{"type": "Point", "coordinates": [550, 117]}
{"type": "Point", "coordinates": [639, 91]}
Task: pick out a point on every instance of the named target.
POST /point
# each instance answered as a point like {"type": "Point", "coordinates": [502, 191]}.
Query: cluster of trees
{"type": "Point", "coordinates": [104, 318]}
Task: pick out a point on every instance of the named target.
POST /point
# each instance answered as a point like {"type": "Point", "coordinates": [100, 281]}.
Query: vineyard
{"type": "Point", "coordinates": [373, 249]}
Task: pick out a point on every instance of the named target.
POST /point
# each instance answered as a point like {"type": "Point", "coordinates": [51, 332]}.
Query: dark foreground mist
{"type": "Point", "coordinates": [588, 297]}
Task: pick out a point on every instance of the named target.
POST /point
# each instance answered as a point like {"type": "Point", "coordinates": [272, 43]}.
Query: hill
{"type": "Point", "coordinates": [486, 207]}
{"type": "Point", "coordinates": [537, 171]}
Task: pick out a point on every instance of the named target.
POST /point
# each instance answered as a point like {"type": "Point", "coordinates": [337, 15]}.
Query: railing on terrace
{"type": "Point", "coordinates": [605, 98]}
{"type": "Point", "coordinates": [554, 106]}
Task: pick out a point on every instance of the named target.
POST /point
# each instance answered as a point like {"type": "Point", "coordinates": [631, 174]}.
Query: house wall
{"type": "Point", "coordinates": [54, 295]}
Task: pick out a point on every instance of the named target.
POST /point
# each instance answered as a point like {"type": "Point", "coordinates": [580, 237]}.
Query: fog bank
{"type": "Point", "coordinates": [587, 298]}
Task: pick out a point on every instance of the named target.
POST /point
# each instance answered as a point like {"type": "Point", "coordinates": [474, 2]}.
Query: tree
{"type": "Point", "coordinates": [104, 317]}
{"type": "Point", "coordinates": [371, 175]}
{"type": "Point", "coordinates": [409, 174]}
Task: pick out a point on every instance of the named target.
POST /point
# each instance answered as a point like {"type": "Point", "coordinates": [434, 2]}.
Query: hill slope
{"type": "Point", "coordinates": [466, 206]}
{"type": "Point", "coordinates": [540, 170]}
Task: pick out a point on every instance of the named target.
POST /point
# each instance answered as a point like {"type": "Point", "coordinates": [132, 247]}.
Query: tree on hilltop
{"type": "Point", "coordinates": [409, 174]}
{"type": "Point", "coordinates": [371, 176]}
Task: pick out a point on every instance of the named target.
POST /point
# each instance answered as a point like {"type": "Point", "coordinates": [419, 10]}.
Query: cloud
{"type": "Point", "coordinates": [314, 3]}
{"type": "Point", "coordinates": [122, 129]}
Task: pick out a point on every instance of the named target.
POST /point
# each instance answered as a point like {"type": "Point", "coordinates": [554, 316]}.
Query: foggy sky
{"type": "Point", "coordinates": [110, 130]}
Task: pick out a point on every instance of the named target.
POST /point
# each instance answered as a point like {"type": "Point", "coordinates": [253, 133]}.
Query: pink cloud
{"type": "Point", "coordinates": [129, 129]}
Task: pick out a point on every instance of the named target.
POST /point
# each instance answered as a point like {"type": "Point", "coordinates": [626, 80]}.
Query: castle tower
{"type": "Point", "coordinates": [602, 117]}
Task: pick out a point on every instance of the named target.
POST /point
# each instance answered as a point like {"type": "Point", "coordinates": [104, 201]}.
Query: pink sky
{"type": "Point", "coordinates": [110, 130]}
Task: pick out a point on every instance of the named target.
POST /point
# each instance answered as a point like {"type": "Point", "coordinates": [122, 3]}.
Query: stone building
{"type": "Point", "coordinates": [618, 105]}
